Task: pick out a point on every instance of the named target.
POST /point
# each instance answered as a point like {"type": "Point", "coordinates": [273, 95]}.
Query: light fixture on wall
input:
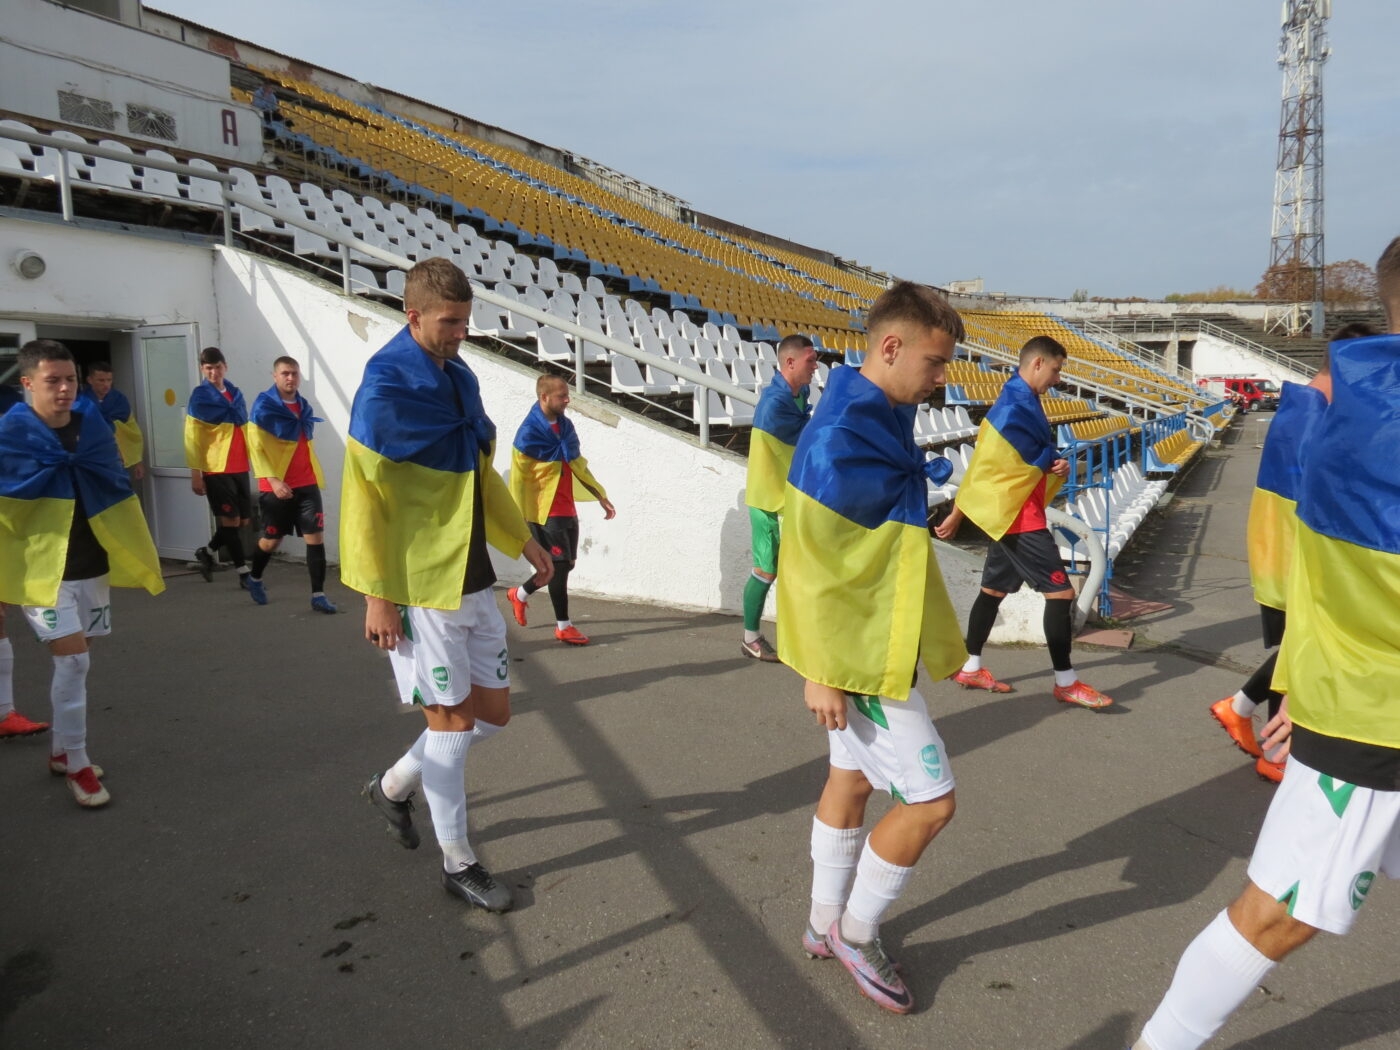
{"type": "Point", "coordinates": [29, 264]}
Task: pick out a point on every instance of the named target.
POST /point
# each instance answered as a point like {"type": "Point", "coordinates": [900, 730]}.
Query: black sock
{"type": "Point", "coordinates": [316, 566]}
{"type": "Point", "coordinates": [233, 543]}
{"type": "Point", "coordinates": [981, 620]}
{"type": "Point", "coordinates": [559, 590]}
{"type": "Point", "coordinates": [215, 541]}
{"type": "Point", "coordinates": [260, 560]}
{"type": "Point", "coordinates": [1257, 688]}
{"type": "Point", "coordinates": [529, 587]}
{"type": "Point", "coordinates": [1059, 632]}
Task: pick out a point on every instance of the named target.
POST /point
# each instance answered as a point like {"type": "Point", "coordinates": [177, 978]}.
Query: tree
{"type": "Point", "coordinates": [1221, 293]}
{"type": "Point", "coordinates": [1349, 283]}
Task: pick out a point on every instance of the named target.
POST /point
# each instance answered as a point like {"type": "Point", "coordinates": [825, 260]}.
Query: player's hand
{"type": "Point", "coordinates": [609, 511]}
{"type": "Point", "coordinates": [948, 527]}
{"type": "Point", "coordinates": [383, 624]}
{"type": "Point", "coordinates": [138, 472]}
{"type": "Point", "coordinates": [1060, 468]}
{"type": "Point", "coordinates": [197, 483]}
{"type": "Point", "coordinates": [827, 703]}
{"type": "Point", "coordinates": [1278, 734]}
{"type": "Point", "coordinates": [281, 489]}
{"type": "Point", "coordinates": [540, 561]}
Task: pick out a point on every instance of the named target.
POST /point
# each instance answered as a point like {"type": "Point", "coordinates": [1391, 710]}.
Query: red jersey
{"type": "Point", "coordinates": [1032, 515]}
{"type": "Point", "coordinates": [238, 448]}
{"type": "Point", "coordinates": [300, 473]}
{"type": "Point", "coordinates": [563, 505]}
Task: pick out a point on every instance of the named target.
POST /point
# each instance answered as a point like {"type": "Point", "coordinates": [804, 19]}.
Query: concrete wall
{"type": "Point", "coordinates": [1214, 356]}
{"type": "Point", "coordinates": [48, 49]}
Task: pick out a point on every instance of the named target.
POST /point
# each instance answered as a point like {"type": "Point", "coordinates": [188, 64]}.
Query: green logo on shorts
{"type": "Point", "coordinates": [50, 618]}
{"type": "Point", "coordinates": [504, 657]}
{"type": "Point", "coordinates": [933, 761]}
{"type": "Point", "coordinates": [442, 678]}
{"type": "Point", "coordinates": [1360, 886]}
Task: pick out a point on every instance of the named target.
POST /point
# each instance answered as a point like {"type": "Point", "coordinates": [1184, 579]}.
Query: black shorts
{"type": "Point", "coordinates": [228, 495]}
{"type": "Point", "coordinates": [1273, 621]}
{"type": "Point", "coordinates": [558, 536]}
{"type": "Point", "coordinates": [300, 516]}
{"type": "Point", "coordinates": [1029, 557]}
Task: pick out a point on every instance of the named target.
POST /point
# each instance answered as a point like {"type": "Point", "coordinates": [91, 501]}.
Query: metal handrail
{"type": "Point", "coordinates": [1188, 323]}
{"type": "Point", "coordinates": [1115, 339]}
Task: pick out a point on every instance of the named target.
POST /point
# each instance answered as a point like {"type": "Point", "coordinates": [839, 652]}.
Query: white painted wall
{"type": "Point", "coordinates": [1214, 356]}
{"type": "Point", "coordinates": [49, 48]}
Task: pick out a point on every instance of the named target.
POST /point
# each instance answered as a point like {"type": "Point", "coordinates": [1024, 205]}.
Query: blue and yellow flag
{"type": "Point", "coordinates": [536, 465]}
{"type": "Point", "coordinates": [417, 432]}
{"type": "Point", "coordinates": [777, 423]}
{"type": "Point", "coordinates": [116, 410]}
{"type": "Point", "coordinates": [1340, 658]}
{"type": "Point", "coordinates": [274, 431]}
{"type": "Point", "coordinates": [40, 482]}
{"type": "Point", "coordinates": [860, 597]}
{"type": "Point", "coordinates": [1014, 451]}
{"type": "Point", "coordinates": [1273, 510]}
{"type": "Point", "coordinates": [210, 423]}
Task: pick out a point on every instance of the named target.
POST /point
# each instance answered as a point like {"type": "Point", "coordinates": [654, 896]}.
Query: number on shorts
{"type": "Point", "coordinates": [101, 619]}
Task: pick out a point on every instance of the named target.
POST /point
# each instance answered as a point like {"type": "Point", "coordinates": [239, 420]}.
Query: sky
{"type": "Point", "coordinates": [1120, 147]}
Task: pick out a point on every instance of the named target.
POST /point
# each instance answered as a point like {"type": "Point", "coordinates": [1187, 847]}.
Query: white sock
{"type": "Point", "coordinates": [878, 885]}
{"type": "Point", "coordinates": [484, 730]}
{"type": "Point", "coordinates": [834, 855]}
{"type": "Point", "coordinates": [401, 779]}
{"type": "Point", "coordinates": [7, 677]}
{"type": "Point", "coordinates": [521, 596]}
{"type": "Point", "coordinates": [1216, 973]}
{"type": "Point", "coordinates": [751, 636]}
{"type": "Point", "coordinates": [973, 665]}
{"type": "Point", "coordinates": [68, 694]}
{"type": "Point", "coordinates": [444, 786]}
{"type": "Point", "coordinates": [1065, 679]}
{"type": "Point", "coordinates": [1242, 705]}
{"type": "Point", "coordinates": [561, 624]}
{"type": "Point", "coordinates": [456, 854]}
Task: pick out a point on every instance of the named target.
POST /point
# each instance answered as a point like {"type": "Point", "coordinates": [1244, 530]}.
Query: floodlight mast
{"type": "Point", "coordinates": [1296, 252]}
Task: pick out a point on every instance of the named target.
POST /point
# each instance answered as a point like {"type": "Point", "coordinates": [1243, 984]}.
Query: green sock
{"type": "Point", "coordinates": [755, 594]}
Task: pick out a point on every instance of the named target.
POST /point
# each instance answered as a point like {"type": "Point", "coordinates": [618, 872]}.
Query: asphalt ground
{"type": "Point", "coordinates": [650, 805]}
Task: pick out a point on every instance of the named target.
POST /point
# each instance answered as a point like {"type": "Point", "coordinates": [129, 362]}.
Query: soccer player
{"type": "Point", "coordinates": [280, 432]}
{"type": "Point", "coordinates": [1334, 823]}
{"type": "Point", "coordinates": [782, 413]}
{"type": "Point", "coordinates": [70, 527]}
{"type": "Point", "coordinates": [1272, 523]}
{"type": "Point", "coordinates": [216, 451]}
{"type": "Point", "coordinates": [116, 410]}
{"type": "Point", "coordinates": [1015, 471]}
{"type": "Point", "coordinates": [420, 501]}
{"type": "Point", "coordinates": [12, 723]}
{"type": "Point", "coordinates": [544, 464]}
{"type": "Point", "coordinates": [862, 602]}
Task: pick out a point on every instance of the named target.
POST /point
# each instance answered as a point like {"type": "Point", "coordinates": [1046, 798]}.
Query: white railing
{"type": "Point", "coordinates": [1116, 340]}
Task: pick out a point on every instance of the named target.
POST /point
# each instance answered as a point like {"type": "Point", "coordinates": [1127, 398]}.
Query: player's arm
{"type": "Point", "coordinates": [383, 624]}
{"type": "Point", "coordinates": [280, 488]}
{"type": "Point", "coordinates": [1278, 733]}
{"type": "Point", "coordinates": [1060, 468]}
{"type": "Point", "coordinates": [827, 703]}
{"type": "Point", "coordinates": [197, 481]}
{"type": "Point", "coordinates": [948, 527]}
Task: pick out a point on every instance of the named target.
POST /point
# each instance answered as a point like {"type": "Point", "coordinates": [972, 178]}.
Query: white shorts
{"type": "Point", "coordinates": [894, 743]}
{"type": "Point", "coordinates": [443, 653]}
{"type": "Point", "coordinates": [84, 607]}
{"type": "Point", "coordinates": [1322, 845]}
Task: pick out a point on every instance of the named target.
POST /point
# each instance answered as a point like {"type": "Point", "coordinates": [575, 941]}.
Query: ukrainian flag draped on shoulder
{"type": "Point", "coordinates": [1014, 450]}
{"type": "Point", "coordinates": [1340, 658]}
{"type": "Point", "coordinates": [537, 463]}
{"type": "Point", "coordinates": [860, 596]}
{"type": "Point", "coordinates": [417, 433]}
{"type": "Point", "coordinates": [275, 431]}
{"type": "Point", "coordinates": [210, 422]}
{"type": "Point", "coordinates": [1273, 509]}
{"type": "Point", "coordinates": [777, 423]}
{"type": "Point", "coordinates": [116, 410]}
{"type": "Point", "coordinates": [39, 480]}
